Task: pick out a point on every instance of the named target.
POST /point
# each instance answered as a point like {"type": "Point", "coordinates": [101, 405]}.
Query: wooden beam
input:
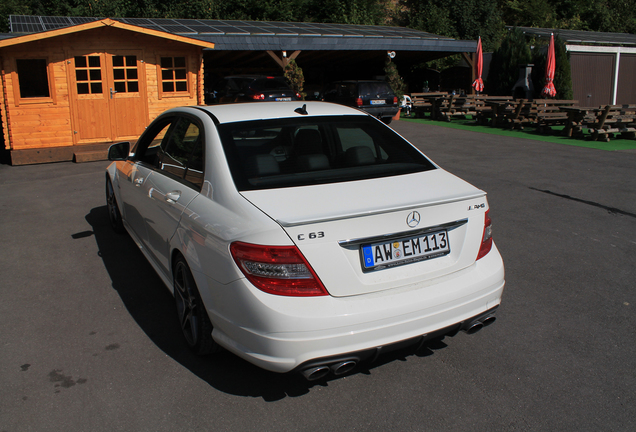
{"type": "Point", "coordinates": [278, 60]}
{"type": "Point", "coordinates": [283, 60]}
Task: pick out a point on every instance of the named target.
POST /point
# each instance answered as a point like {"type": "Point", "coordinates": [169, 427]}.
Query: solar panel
{"type": "Point", "coordinates": [33, 24]}
{"type": "Point", "coordinates": [24, 19]}
{"type": "Point", "coordinates": [82, 20]}
{"type": "Point", "coordinates": [230, 29]}
{"type": "Point", "coordinates": [25, 24]}
{"type": "Point", "coordinates": [204, 29]}
{"type": "Point", "coordinates": [187, 22]}
{"type": "Point", "coordinates": [52, 23]}
{"type": "Point", "coordinates": [254, 30]}
{"type": "Point", "coordinates": [178, 29]}
{"type": "Point", "coordinates": [135, 21]}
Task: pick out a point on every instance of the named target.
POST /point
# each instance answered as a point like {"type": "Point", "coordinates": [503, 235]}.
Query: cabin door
{"type": "Point", "coordinates": [108, 91]}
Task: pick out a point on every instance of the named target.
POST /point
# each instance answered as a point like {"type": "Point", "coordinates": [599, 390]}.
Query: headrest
{"type": "Point", "coordinates": [359, 155]}
{"type": "Point", "coordinates": [312, 162]}
{"type": "Point", "coordinates": [261, 165]}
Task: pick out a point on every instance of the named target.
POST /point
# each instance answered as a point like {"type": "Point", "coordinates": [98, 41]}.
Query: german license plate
{"type": "Point", "coordinates": [284, 99]}
{"type": "Point", "coordinates": [378, 102]}
{"type": "Point", "coordinates": [405, 251]}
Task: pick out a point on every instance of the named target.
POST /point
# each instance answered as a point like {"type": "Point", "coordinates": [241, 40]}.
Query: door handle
{"type": "Point", "coordinates": [112, 92]}
{"type": "Point", "coordinates": [173, 197]}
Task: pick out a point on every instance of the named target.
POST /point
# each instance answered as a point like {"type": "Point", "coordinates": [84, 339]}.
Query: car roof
{"type": "Point", "coordinates": [228, 113]}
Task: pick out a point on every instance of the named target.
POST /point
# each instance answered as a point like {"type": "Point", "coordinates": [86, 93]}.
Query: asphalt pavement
{"type": "Point", "coordinates": [89, 340]}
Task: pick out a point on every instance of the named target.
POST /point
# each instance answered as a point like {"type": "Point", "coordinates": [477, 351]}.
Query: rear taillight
{"type": "Point", "coordinates": [299, 96]}
{"type": "Point", "coordinates": [486, 239]}
{"type": "Point", "coordinates": [280, 270]}
{"type": "Point", "coordinates": [258, 96]}
{"type": "Point", "coordinates": [359, 101]}
{"type": "Point", "coordinates": [395, 100]}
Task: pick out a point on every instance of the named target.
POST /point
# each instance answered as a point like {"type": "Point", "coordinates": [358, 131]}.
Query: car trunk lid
{"type": "Point", "coordinates": [336, 226]}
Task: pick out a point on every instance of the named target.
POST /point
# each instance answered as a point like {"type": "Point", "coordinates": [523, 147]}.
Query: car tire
{"type": "Point", "coordinates": [193, 318]}
{"type": "Point", "coordinates": [114, 215]}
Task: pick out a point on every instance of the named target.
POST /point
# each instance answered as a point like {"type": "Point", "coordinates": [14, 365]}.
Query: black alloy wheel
{"type": "Point", "coordinates": [114, 215]}
{"type": "Point", "coordinates": [193, 318]}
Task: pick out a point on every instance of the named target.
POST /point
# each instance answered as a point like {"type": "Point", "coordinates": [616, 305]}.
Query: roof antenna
{"type": "Point", "coordinates": [302, 110]}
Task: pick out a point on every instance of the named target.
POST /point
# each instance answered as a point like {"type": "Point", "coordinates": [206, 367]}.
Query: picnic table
{"type": "Point", "coordinates": [612, 119]}
{"type": "Point", "coordinates": [577, 117]}
{"type": "Point", "coordinates": [448, 106]}
{"type": "Point", "coordinates": [549, 113]}
{"type": "Point", "coordinates": [490, 107]}
{"type": "Point", "coordinates": [421, 103]}
{"type": "Point", "coordinates": [509, 113]}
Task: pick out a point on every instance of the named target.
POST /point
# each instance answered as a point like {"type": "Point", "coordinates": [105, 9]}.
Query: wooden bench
{"type": "Point", "coordinates": [613, 119]}
{"type": "Point", "coordinates": [421, 102]}
{"type": "Point", "coordinates": [577, 118]}
{"type": "Point", "coordinates": [487, 108]}
{"type": "Point", "coordinates": [549, 113]}
{"type": "Point", "coordinates": [444, 108]}
{"type": "Point", "coordinates": [523, 113]}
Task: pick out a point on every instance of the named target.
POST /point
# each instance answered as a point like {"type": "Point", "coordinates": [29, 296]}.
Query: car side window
{"type": "Point", "coordinates": [194, 171]}
{"type": "Point", "coordinates": [181, 154]}
{"type": "Point", "coordinates": [175, 147]}
{"type": "Point", "coordinates": [148, 148]}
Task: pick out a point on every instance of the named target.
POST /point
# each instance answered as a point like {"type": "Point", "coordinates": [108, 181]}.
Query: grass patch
{"type": "Point", "coordinates": [528, 133]}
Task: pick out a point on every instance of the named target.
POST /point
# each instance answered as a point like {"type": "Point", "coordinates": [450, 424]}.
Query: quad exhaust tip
{"type": "Point", "coordinates": [474, 326]}
{"type": "Point", "coordinates": [339, 368]}
{"type": "Point", "coordinates": [343, 367]}
{"type": "Point", "coordinates": [316, 372]}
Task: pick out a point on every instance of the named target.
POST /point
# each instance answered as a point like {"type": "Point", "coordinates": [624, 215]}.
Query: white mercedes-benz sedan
{"type": "Point", "coordinates": [304, 237]}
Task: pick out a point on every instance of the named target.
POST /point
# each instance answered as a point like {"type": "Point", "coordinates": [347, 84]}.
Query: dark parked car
{"type": "Point", "coordinates": [374, 97]}
{"type": "Point", "coordinates": [249, 88]}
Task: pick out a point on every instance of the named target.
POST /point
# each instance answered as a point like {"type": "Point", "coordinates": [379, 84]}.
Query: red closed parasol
{"type": "Point", "coordinates": [549, 89]}
{"type": "Point", "coordinates": [478, 84]}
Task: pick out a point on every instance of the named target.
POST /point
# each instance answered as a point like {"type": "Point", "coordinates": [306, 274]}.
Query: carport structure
{"type": "Point", "coordinates": [323, 51]}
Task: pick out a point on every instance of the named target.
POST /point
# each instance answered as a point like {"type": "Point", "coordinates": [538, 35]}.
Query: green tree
{"type": "Point", "coordinates": [461, 19]}
{"type": "Point", "coordinates": [365, 12]}
{"type": "Point", "coordinates": [504, 66]}
{"type": "Point", "coordinates": [11, 7]}
{"type": "Point", "coordinates": [295, 77]}
{"type": "Point", "coordinates": [394, 79]}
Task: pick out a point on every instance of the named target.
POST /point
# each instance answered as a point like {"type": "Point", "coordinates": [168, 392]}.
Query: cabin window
{"type": "Point", "coordinates": [125, 75]}
{"type": "Point", "coordinates": [33, 78]}
{"type": "Point", "coordinates": [174, 74]}
{"type": "Point", "coordinates": [88, 74]}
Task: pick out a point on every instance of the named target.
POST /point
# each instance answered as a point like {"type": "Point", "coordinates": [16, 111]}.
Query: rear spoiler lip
{"type": "Point", "coordinates": [294, 223]}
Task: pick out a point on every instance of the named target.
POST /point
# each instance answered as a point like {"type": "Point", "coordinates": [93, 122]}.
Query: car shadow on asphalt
{"type": "Point", "coordinates": [151, 305]}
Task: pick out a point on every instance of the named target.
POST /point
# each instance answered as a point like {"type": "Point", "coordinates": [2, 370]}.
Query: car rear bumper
{"type": "Point", "coordinates": [381, 111]}
{"type": "Point", "coordinates": [285, 333]}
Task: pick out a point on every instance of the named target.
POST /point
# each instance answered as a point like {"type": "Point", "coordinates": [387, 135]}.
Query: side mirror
{"type": "Point", "coordinates": [119, 151]}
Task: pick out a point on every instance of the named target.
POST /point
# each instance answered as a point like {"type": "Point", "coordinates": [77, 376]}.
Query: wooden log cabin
{"type": "Point", "coordinates": [67, 94]}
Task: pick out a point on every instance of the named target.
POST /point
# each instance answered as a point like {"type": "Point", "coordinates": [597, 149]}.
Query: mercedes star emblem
{"type": "Point", "coordinates": [413, 219]}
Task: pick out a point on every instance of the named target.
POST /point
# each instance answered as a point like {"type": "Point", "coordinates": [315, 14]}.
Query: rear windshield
{"type": "Point", "coordinates": [269, 84]}
{"type": "Point", "coordinates": [279, 153]}
{"type": "Point", "coordinates": [375, 88]}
